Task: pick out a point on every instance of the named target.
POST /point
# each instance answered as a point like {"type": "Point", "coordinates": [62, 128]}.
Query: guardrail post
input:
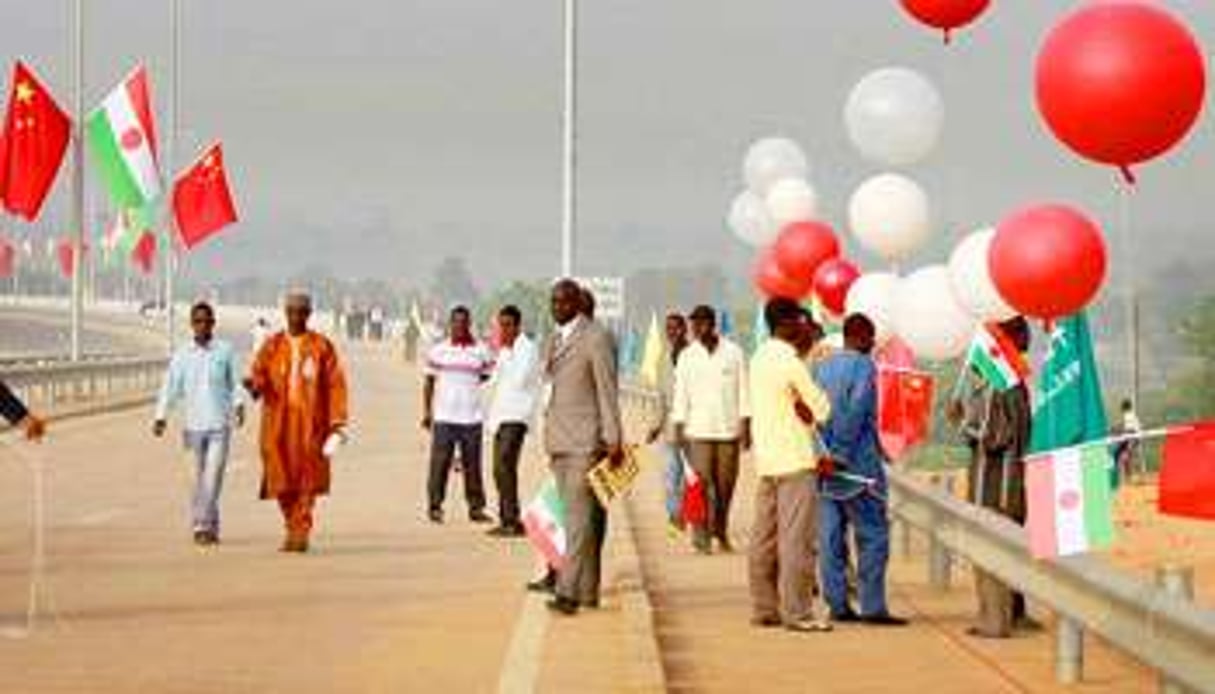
{"type": "Point", "coordinates": [1176, 582]}
{"type": "Point", "coordinates": [940, 563]}
{"type": "Point", "coordinates": [904, 531]}
{"type": "Point", "coordinates": [1069, 651]}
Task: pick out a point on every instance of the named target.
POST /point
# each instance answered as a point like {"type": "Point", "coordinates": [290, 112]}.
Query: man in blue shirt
{"type": "Point", "coordinates": [202, 374]}
{"type": "Point", "coordinates": [854, 493]}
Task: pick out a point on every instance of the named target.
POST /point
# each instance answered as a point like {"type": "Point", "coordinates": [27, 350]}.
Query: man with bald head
{"type": "Point", "coordinates": [300, 382]}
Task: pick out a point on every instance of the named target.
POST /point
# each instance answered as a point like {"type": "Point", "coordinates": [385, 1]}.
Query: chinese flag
{"type": "Point", "coordinates": [1187, 475]}
{"type": "Point", "coordinates": [202, 203]}
{"type": "Point", "coordinates": [904, 408]}
{"type": "Point", "coordinates": [35, 137]}
{"type": "Point", "coordinates": [8, 258]}
{"type": "Point", "coordinates": [144, 252]}
{"type": "Point", "coordinates": [66, 254]}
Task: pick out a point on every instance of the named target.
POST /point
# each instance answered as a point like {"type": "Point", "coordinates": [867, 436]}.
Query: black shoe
{"type": "Point", "coordinates": [766, 621]}
{"type": "Point", "coordinates": [202, 538]}
{"type": "Point", "coordinates": [510, 530]}
{"type": "Point", "coordinates": [884, 619]}
{"type": "Point", "coordinates": [592, 604]}
{"type": "Point", "coordinates": [564, 606]}
{"type": "Point", "coordinates": [544, 584]}
{"type": "Point", "coordinates": [480, 517]}
{"type": "Point", "coordinates": [845, 616]}
{"type": "Point", "coordinates": [436, 515]}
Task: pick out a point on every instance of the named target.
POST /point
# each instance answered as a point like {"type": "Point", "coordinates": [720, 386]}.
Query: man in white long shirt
{"type": "Point", "coordinates": [513, 386]}
{"type": "Point", "coordinates": [712, 414]}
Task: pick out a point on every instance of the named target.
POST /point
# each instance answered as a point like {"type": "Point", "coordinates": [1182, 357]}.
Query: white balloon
{"type": "Point", "coordinates": [970, 277]}
{"type": "Point", "coordinates": [889, 215]}
{"type": "Point", "coordinates": [772, 159]}
{"type": "Point", "coordinates": [750, 221]}
{"type": "Point", "coordinates": [928, 317]}
{"type": "Point", "coordinates": [872, 294]}
{"type": "Point", "coordinates": [791, 200]}
{"type": "Point", "coordinates": [894, 116]}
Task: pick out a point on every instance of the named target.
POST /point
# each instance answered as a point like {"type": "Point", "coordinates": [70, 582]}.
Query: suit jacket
{"type": "Point", "coordinates": [583, 414]}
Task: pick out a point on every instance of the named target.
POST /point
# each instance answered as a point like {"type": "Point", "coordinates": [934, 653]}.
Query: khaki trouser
{"type": "Point", "coordinates": [585, 527]}
{"type": "Point", "coordinates": [716, 462]}
{"type": "Point", "coordinates": [782, 554]}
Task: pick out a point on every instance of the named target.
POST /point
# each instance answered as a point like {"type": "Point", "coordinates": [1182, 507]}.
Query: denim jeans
{"type": "Point", "coordinates": [867, 516]}
{"type": "Point", "coordinates": [210, 449]}
{"type": "Point", "coordinates": [672, 480]}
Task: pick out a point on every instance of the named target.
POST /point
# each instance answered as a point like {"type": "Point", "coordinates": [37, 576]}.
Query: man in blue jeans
{"type": "Point", "coordinates": [203, 375]}
{"type": "Point", "coordinates": [854, 491]}
{"type": "Point", "coordinates": [662, 429]}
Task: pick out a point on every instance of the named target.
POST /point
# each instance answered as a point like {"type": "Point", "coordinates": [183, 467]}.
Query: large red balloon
{"type": "Point", "coordinates": [772, 282]}
{"type": "Point", "coordinates": [1047, 261]}
{"type": "Point", "coordinates": [832, 282]}
{"type": "Point", "coordinates": [1120, 82]}
{"type": "Point", "coordinates": [802, 247]}
{"type": "Point", "coordinates": [946, 15]}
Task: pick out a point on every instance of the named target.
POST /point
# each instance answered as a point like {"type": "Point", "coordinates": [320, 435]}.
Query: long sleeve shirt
{"type": "Point", "coordinates": [782, 443]}
{"type": "Point", "coordinates": [711, 392]}
{"type": "Point", "coordinates": [851, 435]}
{"type": "Point", "coordinates": [11, 407]}
{"type": "Point", "coordinates": [514, 384]}
{"type": "Point", "coordinates": [206, 381]}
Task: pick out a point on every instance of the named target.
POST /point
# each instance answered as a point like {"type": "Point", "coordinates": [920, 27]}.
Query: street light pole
{"type": "Point", "coordinates": [76, 216]}
{"type": "Point", "coordinates": [170, 253]}
{"type": "Point", "coordinates": [569, 191]}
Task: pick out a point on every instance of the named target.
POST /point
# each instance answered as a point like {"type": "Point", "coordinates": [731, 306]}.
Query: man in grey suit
{"type": "Point", "coordinates": [582, 425]}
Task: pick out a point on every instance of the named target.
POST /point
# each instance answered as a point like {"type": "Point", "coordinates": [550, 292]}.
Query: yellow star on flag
{"type": "Point", "coordinates": [25, 93]}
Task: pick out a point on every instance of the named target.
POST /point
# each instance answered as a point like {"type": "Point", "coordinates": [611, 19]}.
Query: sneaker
{"type": "Point", "coordinates": [809, 625]}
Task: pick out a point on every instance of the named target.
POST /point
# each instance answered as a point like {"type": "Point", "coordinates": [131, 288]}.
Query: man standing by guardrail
{"type": "Point", "coordinates": [17, 414]}
{"type": "Point", "coordinates": [203, 375]}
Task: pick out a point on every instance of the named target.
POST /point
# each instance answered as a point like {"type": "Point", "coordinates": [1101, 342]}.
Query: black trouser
{"type": "Point", "coordinates": [442, 452]}
{"type": "Point", "coordinates": [508, 446]}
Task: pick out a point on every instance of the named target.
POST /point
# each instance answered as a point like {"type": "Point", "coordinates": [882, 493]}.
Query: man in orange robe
{"type": "Point", "coordinates": [303, 390]}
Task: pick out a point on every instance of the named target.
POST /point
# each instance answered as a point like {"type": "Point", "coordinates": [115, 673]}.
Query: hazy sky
{"type": "Point", "coordinates": [376, 136]}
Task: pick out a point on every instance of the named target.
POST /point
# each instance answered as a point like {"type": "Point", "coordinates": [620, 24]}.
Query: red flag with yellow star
{"type": "Point", "coordinates": [144, 252]}
{"type": "Point", "coordinates": [202, 202]}
{"type": "Point", "coordinates": [35, 137]}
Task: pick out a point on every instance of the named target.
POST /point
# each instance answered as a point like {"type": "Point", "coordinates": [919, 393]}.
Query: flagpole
{"type": "Point", "coordinates": [76, 215]}
{"type": "Point", "coordinates": [569, 139]}
{"type": "Point", "coordinates": [170, 159]}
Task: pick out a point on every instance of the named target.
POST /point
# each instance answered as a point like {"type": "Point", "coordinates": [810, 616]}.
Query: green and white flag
{"type": "Point", "coordinates": [122, 137]}
{"type": "Point", "coordinates": [1068, 407]}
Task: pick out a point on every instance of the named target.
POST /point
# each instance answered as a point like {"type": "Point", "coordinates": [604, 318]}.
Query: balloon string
{"type": "Point", "coordinates": [1128, 176]}
{"type": "Point", "coordinates": [948, 37]}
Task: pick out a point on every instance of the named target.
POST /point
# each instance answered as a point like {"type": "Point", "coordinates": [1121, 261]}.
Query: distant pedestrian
{"type": "Point", "coordinates": [17, 414]}
{"type": "Point", "coordinates": [785, 404]}
{"type": "Point", "coordinates": [203, 374]}
{"type": "Point", "coordinates": [1126, 452]}
{"type": "Point", "coordinates": [854, 491]}
{"type": "Point", "coordinates": [453, 413]}
{"type": "Point", "coordinates": [662, 431]}
{"type": "Point", "coordinates": [302, 386]}
{"type": "Point", "coordinates": [712, 417]}
{"type": "Point", "coordinates": [514, 387]}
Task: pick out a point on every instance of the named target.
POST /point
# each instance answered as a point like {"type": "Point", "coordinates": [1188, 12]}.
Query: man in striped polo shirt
{"type": "Point", "coordinates": [452, 410]}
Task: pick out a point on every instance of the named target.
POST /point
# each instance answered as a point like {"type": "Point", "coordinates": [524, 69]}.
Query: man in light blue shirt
{"type": "Point", "coordinates": [202, 375]}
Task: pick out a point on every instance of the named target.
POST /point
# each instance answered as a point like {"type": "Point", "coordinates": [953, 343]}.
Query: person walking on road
{"type": "Point", "coordinates": [785, 404]}
{"type": "Point", "coordinates": [712, 418]}
{"type": "Point", "coordinates": [582, 426]}
{"type": "Point", "coordinates": [456, 369]}
{"type": "Point", "coordinates": [16, 413]}
{"type": "Point", "coordinates": [300, 381]}
{"type": "Point", "coordinates": [854, 493]}
{"type": "Point", "coordinates": [513, 391]}
{"type": "Point", "coordinates": [203, 375]}
{"type": "Point", "coordinates": [662, 432]}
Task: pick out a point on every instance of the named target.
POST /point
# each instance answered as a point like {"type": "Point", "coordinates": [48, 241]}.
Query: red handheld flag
{"type": "Point", "coordinates": [202, 202]}
{"type": "Point", "coordinates": [693, 507]}
{"type": "Point", "coordinates": [144, 252]}
{"type": "Point", "coordinates": [904, 408]}
{"type": "Point", "coordinates": [32, 146]}
{"type": "Point", "coordinates": [1187, 476]}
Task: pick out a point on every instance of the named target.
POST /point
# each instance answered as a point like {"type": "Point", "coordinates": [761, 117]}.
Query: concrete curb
{"type": "Point", "coordinates": [646, 673]}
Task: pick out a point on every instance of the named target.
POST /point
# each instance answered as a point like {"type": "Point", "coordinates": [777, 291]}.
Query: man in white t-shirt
{"type": "Point", "coordinates": [456, 368]}
{"type": "Point", "coordinates": [514, 386]}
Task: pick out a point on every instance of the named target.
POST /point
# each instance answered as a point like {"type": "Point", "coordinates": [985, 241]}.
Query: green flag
{"type": "Point", "coordinates": [1068, 407]}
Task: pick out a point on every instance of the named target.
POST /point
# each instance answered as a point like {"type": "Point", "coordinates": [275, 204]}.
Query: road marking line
{"type": "Point", "coordinates": [102, 517]}
{"type": "Point", "coordinates": [520, 672]}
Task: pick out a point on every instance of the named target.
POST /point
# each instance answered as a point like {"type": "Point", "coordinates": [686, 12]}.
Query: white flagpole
{"type": "Point", "coordinates": [569, 192]}
{"type": "Point", "coordinates": [76, 215]}
{"type": "Point", "coordinates": [170, 244]}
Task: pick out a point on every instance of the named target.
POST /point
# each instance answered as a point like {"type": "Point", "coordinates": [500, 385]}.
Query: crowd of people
{"type": "Point", "coordinates": [806, 413]}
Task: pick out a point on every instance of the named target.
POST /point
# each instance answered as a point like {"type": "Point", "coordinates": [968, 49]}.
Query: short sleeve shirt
{"type": "Point", "coordinates": [459, 371]}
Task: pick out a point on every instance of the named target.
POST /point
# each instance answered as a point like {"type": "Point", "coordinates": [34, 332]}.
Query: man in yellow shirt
{"type": "Point", "coordinates": [785, 404]}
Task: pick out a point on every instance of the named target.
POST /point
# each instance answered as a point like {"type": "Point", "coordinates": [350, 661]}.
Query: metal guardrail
{"type": "Point", "coordinates": [1157, 624]}
{"type": "Point", "coordinates": [47, 387]}
{"type": "Point", "coordinates": [44, 358]}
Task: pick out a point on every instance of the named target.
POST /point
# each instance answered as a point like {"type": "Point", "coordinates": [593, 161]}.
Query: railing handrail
{"type": "Point", "coordinates": [26, 375]}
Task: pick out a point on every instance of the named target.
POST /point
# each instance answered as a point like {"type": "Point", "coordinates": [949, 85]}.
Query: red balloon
{"type": "Point", "coordinates": [772, 282]}
{"type": "Point", "coordinates": [802, 247]}
{"type": "Point", "coordinates": [1047, 261]}
{"type": "Point", "coordinates": [832, 282]}
{"type": "Point", "coordinates": [946, 15]}
{"type": "Point", "coordinates": [1120, 82]}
